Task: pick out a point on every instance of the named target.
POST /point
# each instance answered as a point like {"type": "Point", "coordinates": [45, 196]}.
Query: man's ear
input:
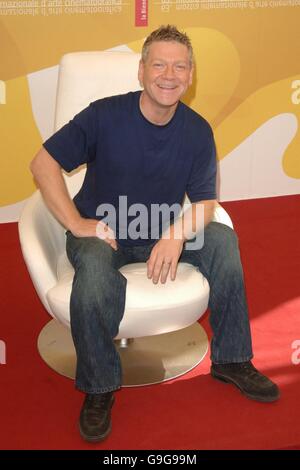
{"type": "Point", "coordinates": [141, 72]}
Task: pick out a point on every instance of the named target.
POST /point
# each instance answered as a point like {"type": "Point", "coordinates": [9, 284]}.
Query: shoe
{"type": "Point", "coordinates": [249, 380]}
{"type": "Point", "coordinates": [95, 416]}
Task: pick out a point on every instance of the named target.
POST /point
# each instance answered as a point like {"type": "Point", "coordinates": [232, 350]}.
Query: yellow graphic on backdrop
{"type": "Point", "coordinates": [261, 106]}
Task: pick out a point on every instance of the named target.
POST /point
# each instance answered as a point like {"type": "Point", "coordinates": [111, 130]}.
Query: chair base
{"type": "Point", "coordinates": [145, 361]}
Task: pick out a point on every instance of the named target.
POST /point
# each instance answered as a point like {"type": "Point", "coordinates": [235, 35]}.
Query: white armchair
{"type": "Point", "coordinates": [159, 337]}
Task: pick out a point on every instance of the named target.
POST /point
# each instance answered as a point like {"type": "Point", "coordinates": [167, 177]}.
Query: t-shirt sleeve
{"type": "Point", "coordinates": [202, 182]}
{"type": "Point", "coordinates": [75, 143]}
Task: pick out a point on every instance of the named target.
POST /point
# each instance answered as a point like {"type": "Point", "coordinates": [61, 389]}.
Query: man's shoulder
{"type": "Point", "coordinates": [196, 120]}
{"type": "Point", "coordinates": [121, 101]}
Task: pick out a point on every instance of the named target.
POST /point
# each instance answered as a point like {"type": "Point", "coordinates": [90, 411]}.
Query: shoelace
{"type": "Point", "coordinates": [252, 372]}
{"type": "Point", "coordinates": [246, 365]}
{"type": "Point", "coordinates": [95, 403]}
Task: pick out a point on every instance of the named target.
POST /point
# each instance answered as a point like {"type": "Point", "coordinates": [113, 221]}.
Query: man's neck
{"type": "Point", "coordinates": [159, 116]}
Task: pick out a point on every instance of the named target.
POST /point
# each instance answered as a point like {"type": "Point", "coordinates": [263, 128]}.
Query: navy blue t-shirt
{"type": "Point", "coordinates": [126, 155]}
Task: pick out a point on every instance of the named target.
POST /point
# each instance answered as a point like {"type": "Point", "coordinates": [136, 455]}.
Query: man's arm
{"type": "Point", "coordinates": [48, 176]}
{"type": "Point", "coordinates": [166, 252]}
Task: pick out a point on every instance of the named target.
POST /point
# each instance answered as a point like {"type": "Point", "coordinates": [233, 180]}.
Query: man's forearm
{"type": "Point", "coordinates": [48, 176]}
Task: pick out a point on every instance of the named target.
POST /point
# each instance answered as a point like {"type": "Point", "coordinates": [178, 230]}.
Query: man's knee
{"type": "Point", "coordinates": [89, 253]}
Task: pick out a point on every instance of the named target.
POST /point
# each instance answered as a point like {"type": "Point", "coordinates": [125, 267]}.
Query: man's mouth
{"type": "Point", "coordinates": [167, 87]}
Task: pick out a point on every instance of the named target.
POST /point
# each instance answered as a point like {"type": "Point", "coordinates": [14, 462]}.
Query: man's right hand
{"type": "Point", "coordinates": [94, 228]}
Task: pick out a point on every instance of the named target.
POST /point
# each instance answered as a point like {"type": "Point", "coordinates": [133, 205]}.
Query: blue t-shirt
{"type": "Point", "coordinates": [128, 156]}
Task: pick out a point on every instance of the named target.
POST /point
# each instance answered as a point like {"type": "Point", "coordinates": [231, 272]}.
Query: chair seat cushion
{"type": "Point", "coordinates": [150, 308]}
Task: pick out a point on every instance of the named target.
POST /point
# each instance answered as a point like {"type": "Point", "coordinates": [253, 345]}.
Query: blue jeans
{"type": "Point", "coordinates": [98, 300]}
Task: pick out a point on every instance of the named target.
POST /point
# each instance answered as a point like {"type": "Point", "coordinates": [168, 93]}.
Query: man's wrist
{"type": "Point", "coordinates": [73, 223]}
{"type": "Point", "coordinates": [173, 233]}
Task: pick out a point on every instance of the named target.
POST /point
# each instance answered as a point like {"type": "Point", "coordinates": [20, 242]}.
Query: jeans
{"type": "Point", "coordinates": [98, 300]}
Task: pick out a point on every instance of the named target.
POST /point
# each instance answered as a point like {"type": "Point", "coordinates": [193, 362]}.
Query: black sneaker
{"type": "Point", "coordinates": [95, 420]}
{"type": "Point", "coordinates": [249, 380]}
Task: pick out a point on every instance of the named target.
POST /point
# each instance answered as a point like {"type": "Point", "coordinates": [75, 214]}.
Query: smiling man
{"type": "Point", "coordinates": [152, 149]}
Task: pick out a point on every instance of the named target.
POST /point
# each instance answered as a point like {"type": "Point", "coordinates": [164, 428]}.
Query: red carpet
{"type": "Point", "coordinates": [39, 409]}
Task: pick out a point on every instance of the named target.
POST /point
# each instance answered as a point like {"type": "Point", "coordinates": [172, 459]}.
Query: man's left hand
{"type": "Point", "coordinates": [164, 259]}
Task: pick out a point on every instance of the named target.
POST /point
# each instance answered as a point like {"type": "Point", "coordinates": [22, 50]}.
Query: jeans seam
{"type": "Point", "coordinates": [98, 390]}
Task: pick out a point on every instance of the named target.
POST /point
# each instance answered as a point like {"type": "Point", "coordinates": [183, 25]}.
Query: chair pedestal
{"type": "Point", "coordinates": [145, 361]}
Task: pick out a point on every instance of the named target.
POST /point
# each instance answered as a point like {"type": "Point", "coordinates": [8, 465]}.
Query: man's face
{"type": "Point", "coordinates": [166, 74]}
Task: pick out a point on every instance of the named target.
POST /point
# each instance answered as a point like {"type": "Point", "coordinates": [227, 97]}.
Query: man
{"type": "Point", "coordinates": [151, 148]}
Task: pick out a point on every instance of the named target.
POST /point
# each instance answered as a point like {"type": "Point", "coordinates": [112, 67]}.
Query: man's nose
{"type": "Point", "coordinates": [169, 72]}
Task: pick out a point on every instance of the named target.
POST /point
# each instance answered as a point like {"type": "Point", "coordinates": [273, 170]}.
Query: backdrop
{"type": "Point", "coordinates": [247, 83]}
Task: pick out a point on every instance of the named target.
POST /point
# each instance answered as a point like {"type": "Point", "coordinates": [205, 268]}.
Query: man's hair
{"type": "Point", "coordinates": [167, 33]}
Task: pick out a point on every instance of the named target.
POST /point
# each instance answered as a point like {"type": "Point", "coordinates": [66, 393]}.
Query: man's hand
{"type": "Point", "coordinates": [94, 228]}
{"type": "Point", "coordinates": [164, 259]}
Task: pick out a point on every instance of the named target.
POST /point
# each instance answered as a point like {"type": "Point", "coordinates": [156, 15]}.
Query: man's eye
{"type": "Point", "coordinates": [158, 65]}
{"type": "Point", "coordinates": [180, 67]}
